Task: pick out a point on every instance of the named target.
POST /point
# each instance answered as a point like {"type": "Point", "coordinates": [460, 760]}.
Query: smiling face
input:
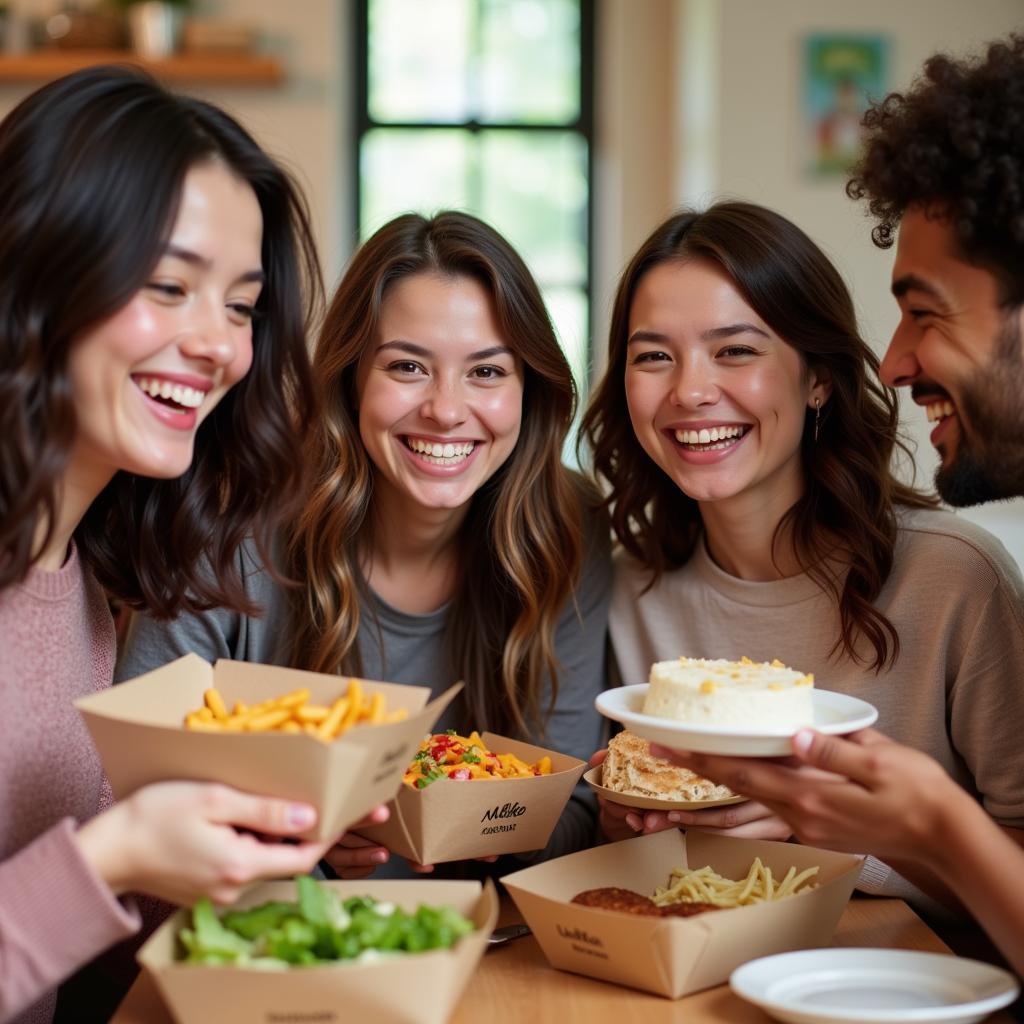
{"type": "Point", "coordinates": [963, 358]}
{"type": "Point", "coordinates": [715, 397]}
{"type": "Point", "coordinates": [440, 394]}
{"type": "Point", "coordinates": [144, 379]}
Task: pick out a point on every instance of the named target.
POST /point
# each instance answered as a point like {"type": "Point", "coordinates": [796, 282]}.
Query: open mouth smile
{"type": "Point", "coordinates": [939, 410]}
{"type": "Point", "coordinates": [711, 439]}
{"type": "Point", "coordinates": [177, 398]}
{"type": "Point", "coordinates": [437, 453]}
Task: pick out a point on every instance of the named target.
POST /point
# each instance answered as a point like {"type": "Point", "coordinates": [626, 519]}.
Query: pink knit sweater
{"type": "Point", "coordinates": [56, 644]}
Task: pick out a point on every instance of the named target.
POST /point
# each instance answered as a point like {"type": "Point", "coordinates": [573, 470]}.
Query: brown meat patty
{"type": "Point", "coordinates": [625, 901]}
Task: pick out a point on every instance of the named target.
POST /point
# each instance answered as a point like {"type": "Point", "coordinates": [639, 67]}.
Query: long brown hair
{"type": "Point", "coordinates": [520, 544]}
{"type": "Point", "coordinates": [849, 506]}
{"type": "Point", "coordinates": [91, 171]}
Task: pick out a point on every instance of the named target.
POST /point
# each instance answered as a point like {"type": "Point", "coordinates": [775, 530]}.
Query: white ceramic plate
{"type": "Point", "coordinates": [873, 986]}
{"type": "Point", "coordinates": [834, 713]}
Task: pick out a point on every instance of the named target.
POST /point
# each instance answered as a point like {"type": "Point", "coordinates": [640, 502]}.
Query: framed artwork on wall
{"type": "Point", "coordinates": [841, 74]}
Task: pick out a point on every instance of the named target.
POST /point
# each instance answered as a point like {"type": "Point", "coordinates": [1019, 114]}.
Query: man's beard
{"type": "Point", "coordinates": [989, 464]}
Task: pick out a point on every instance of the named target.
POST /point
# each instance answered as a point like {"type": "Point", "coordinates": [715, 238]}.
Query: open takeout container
{"type": "Point", "coordinates": [675, 956]}
{"type": "Point", "coordinates": [455, 819]}
{"type": "Point", "coordinates": [407, 988]}
{"type": "Point", "coordinates": [137, 728]}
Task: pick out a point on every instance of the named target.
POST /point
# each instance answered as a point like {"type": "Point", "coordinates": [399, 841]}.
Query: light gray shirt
{"type": "Point", "coordinates": [403, 648]}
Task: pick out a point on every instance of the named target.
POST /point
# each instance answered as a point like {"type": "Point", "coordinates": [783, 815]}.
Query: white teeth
{"type": "Point", "coordinates": [181, 394]}
{"type": "Point", "coordinates": [939, 411]}
{"type": "Point", "coordinates": [441, 454]}
{"type": "Point", "coordinates": [708, 436]}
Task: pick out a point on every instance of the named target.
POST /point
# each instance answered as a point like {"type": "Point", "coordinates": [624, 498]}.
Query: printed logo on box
{"type": "Point", "coordinates": [592, 945]}
{"type": "Point", "coordinates": [512, 810]}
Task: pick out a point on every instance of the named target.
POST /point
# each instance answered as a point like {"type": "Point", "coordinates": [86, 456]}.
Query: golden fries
{"type": "Point", "coordinates": [292, 713]}
{"type": "Point", "coordinates": [702, 885]}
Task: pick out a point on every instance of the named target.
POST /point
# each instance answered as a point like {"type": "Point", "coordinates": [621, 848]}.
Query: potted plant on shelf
{"type": "Point", "coordinates": [154, 26]}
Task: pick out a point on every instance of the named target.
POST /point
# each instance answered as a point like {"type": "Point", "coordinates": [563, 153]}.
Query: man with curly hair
{"type": "Point", "coordinates": [944, 164]}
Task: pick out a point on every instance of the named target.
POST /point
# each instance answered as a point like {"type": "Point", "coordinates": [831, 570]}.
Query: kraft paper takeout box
{"type": "Point", "coordinates": [675, 956]}
{"type": "Point", "coordinates": [404, 989]}
{"type": "Point", "coordinates": [457, 819]}
{"type": "Point", "coordinates": [137, 728]}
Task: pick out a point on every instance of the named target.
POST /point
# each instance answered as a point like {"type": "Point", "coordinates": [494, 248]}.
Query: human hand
{"type": "Point", "coordinates": [866, 795]}
{"type": "Point", "coordinates": [617, 821]}
{"type": "Point", "coordinates": [746, 820]}
{"type": "Point", "coordinates": [180, 841]}
{"type": "Point", "coordinates": [353, 856]}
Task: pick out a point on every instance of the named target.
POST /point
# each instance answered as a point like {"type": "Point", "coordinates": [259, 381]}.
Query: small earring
{"type": "Point", "coordinates": [817, 418]}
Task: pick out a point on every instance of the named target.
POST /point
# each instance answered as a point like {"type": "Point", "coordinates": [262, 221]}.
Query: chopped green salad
{"type": "Point", "coordinates": [320, 928]}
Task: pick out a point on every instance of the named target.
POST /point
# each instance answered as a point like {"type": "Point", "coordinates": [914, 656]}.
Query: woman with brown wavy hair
{"type": "Point", "coordinates": [152, 358]}
{"type": "Point", "coordinates": [442, 538]}
{"type": "Point", "coordinates": [747, 445]}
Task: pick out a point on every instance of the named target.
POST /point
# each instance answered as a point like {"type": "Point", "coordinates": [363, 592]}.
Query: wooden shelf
{"type": "Point", "coordinates": [216, 68]}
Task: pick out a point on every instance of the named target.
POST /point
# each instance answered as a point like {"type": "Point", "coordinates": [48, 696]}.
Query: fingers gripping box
{"type": "Point", "coordinates": [137, 729]}
{"type": "Point", "coordinates": [675, 956]}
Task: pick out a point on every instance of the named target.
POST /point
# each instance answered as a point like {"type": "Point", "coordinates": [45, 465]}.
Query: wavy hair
{"type": "Point", "coordinates": [849, 506]}
{"type": "Point", "coordinates": [520, 544]}
{"type": "Point", "coordinates": [91, 172]}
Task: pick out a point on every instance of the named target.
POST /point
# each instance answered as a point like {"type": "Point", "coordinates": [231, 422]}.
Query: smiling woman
{"type": "Point", "coordinates": [153, 373]}
{"type": "Point", "coordinates": [442, 538]}
{"type": "Point", "coordinates": [746, 442]}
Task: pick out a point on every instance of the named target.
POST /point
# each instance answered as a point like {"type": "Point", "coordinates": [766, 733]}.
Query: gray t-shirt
{"type": "Point", "coordinates": [403, 648]}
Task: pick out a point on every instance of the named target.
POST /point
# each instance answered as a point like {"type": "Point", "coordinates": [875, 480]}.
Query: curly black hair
{"type": "Point", "coordinates": [955, 143]}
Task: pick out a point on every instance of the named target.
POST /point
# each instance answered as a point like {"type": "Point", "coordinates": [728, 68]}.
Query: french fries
{"type": "Point", "coordinates": [449, 755]}
{"type": "Point", "coordinates": [702, 885]}
{"type": "Point", "coordinates": [293, 713]}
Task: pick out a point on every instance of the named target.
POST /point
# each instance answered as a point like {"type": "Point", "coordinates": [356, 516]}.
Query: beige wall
{"type": "Point", "coordinates": [755, 146]}
{"type": "Point", "coordinates": [695, 99]}
{"type": "Point", "coordinates": [305, 121]}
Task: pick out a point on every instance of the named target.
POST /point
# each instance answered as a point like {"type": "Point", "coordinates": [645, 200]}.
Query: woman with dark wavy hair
{"type": "Point", "coordinates": [747, 446]}
{"type": "Point", "coordinates": [442, 539]}
{"type": "Point", "coordinates": [152, 267]}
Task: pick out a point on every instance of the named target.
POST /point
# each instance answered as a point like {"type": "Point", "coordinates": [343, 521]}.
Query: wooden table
{"type": "Point", "coordinates": [514, 982]}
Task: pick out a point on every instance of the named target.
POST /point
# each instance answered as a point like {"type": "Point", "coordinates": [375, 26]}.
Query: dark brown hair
{"type": "Point", "coordinates": [520, 544]}
{"type": "Point", "coordinates": [849, 505]}
{"type": "Point", "coordinates": [91, 172]}
{"type": "Point", "coordinates": [954, 144]}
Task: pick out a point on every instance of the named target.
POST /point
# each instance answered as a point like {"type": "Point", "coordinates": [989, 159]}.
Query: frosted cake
{"type": "Point", "coordinates": [768, 697]}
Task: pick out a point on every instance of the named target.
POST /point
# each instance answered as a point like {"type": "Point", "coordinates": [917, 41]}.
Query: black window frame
{"type": "Point", "coordinates": [583, 125]}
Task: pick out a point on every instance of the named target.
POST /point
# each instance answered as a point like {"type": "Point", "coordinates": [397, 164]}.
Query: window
{"type": "Point", "coordinates": [485, 106]}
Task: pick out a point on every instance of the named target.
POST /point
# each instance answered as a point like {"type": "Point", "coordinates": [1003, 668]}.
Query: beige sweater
{"type": "Point", "coordinates": [956, 598]}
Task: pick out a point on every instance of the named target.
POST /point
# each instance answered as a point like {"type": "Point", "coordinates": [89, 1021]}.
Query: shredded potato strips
{"type": "Point", "coordinates": [292, 713]}
{"type": "Point", "coordinates": [703, 885]}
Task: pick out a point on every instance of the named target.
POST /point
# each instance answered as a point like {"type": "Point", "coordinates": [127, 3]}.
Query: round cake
{"type": "Point", "coordinates": [768, 697]}
{"type": "Point", "coordinates": [631, 769]}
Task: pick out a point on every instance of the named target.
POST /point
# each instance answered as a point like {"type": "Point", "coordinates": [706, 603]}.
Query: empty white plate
{"type": "Point", "coordinates": [834, 713]}
{"type": "Point", "coordinates": [873, 986]}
